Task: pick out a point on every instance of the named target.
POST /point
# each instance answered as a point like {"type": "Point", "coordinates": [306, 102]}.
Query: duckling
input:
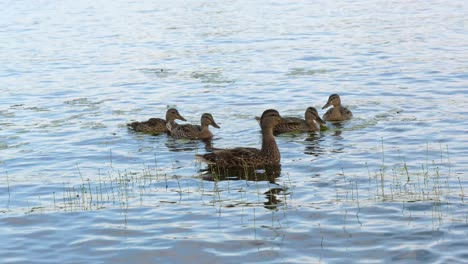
{"type": "Point", "coordinates": [338, 112]}
{"type": "Point", "coordinates": [157, 125]}
{"type": "Point", "coordinates": [268, 155]}
{"type": "Point", "coordinates": [194, 131]}
{"type": "Point", "coordinates": [312, 122]}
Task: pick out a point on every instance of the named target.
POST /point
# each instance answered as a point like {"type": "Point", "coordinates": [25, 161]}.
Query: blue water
{"type": "Point", "coordinates": [388, 186]}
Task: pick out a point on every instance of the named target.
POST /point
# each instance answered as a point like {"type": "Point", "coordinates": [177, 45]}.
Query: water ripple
{"type": "Point", "coordinates": [388, 185]}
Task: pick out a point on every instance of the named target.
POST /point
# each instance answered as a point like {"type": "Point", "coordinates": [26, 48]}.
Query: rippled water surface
{"type": "Point", "coordinates": [76, 186]}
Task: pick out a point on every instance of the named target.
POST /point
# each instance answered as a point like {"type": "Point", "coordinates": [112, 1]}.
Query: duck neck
{"type": "Point", "coordinates": [269, 146]}
{"type": "Point", "coordinates": [205, 133]}
{"type": "Point", "coordinates": [170, 121]}
{"type": "Point", "coordinates": [204, 128]}
{"type": "Point", "coordinates": [312, 124]}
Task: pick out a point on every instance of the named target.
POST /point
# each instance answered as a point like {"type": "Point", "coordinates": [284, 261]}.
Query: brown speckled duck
{"type": "Point", "coordinates": [194, 131]}
{"type": "Point", "coordinates": [268, 155]}
{"type": "Point", "coordinates": [157, 125]}
{"type": "Point", "coordinates": [312, 122]}
{"type": "Point", "coordinates": [338, 112]}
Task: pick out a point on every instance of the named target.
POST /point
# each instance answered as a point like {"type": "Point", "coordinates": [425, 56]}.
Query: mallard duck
{"type": "Point", "coordinates": [157, 125]}
{"type": "Point", "coordinates": [194, 131]}
{"type": "Point", "coordinates": [312, 122]}
{"type": "Point", "coordinates": [338, 112]}
{"type": "Point", "coordinates": [269, 155]}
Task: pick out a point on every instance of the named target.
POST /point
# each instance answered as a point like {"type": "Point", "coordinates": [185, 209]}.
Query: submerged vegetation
{"type": "Point", "coordinates": [401, 182]}
{"type": "Point", "coordinates": [432, 183]}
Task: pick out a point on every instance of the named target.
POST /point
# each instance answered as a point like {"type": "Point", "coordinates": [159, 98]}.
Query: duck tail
{"type": "Point", "coordinates": [132, 125]}
{"type": "Point", "coordinates": [204, 158]}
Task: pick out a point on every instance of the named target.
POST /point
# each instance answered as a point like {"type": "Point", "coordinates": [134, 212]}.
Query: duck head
{"type": "Point", "coordinates": [270, 118]}
{"type": "Point", "coordinates": [207, 119]}
{"type": "Point", "coordinates": [312, 114]}
{"type": "Point", "coordinates": [173, 114]}
{"type": "Point", "coordinates": [334, 100]}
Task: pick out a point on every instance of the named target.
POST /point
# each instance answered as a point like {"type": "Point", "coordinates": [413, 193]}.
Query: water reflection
{"type": "Point", "coordinates": [138, 133]}
{"type": "Point", "coordinates": [179, 145]}
{"type": "Point", "coordinates": [335, 131]}
{"type": "Point", "coordinates": [314, 141]}
{"type": "Point", "coordinates": [175, 145]}
{"type": "Point", "coordinates": [273, 202]}
{"type": "Point", "coordinates": [312, 146]}
{"type": "Point", "coordinates": [214, 173]}
{"type": "Point", "coordinates": [158, 72]}
{"type": "Point", "coordinates": [268, 174]}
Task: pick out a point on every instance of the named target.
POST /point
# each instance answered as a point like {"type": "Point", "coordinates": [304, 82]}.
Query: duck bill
{"type": "Point", "coordinates": [180, 117]}
{"type": "Point", "coordinates": [213, 123]}
{"type": "Point", "coordinates": [326, 105]}
{"type": "Point", "coordinates": [320, 120]}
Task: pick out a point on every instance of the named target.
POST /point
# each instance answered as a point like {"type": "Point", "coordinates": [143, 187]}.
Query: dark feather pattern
{"type": "Point", "coordinates": [312, 122]}
{"type": "Point", "coordinates": [240, 157]}
{"type": "Point", "coordinates": [157, 125]}
{"type": "Point", "coordinates": [291, 124]}
{"type": "Point", "coordinates": [195, 131]}
{"type": "Point", "coordinates": [186, 131]}
{"type": "Point", "coordinates": [153, 125]}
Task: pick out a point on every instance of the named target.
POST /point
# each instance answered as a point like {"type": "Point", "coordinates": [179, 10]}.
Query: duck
{"type": "Point", "coordinates": [189, 131]}
{"type": "Point", "coordinates": [242, 157]}
{"type": "Point", "coordinates": [312, 123]}
{"type": "Point", "coordinates": [157, 125]}
{"type": "Point", "coordinates": [338, 112]}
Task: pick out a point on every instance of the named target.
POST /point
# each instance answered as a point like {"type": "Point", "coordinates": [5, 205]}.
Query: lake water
{"type": "Point", "coordinates": [76, 186]}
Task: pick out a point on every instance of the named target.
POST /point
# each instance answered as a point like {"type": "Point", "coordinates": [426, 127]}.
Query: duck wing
{"type": "Point", "coordinates": [154, 125]}
{"type": "Point", "coordinates": [236, 157]}
{"type": "Point", "coordinates": [290, 124]}
{"type": "Point", "coordinates": [345, 112]}
{"type": "Point", "coordinates": [186, 131]}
